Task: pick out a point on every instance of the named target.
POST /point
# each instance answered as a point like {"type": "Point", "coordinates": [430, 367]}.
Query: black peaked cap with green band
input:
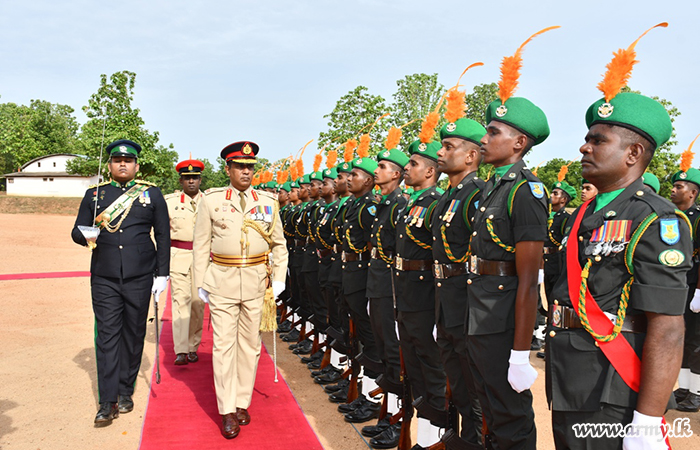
{"type": "Point", "coordinates": [635, 112]}
{"type": "Point", "coordinates": [692, 175]}
{"type": "Point", "coordinates": [124, 147]}
{"type": "Point", "coordinates": [566, 187]}
{"type": "Point", "coordinates": [521, 114]}
{"type": "Point", "coordinates": [467, 129]}
{"type": "Point", "coordinates": [366, 164]}
{"type": "Point", "coordinates": [428, 150]}
{"type": "Point", "coordinates": [394, 155]}
{"type": "Point", "coordinates": [331, 173]}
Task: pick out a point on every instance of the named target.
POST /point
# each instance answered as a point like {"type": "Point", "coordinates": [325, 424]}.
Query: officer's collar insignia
{"type": "Point", "coordinates": [610, 214]}
{"type": "Point", "coordinates": [683, 175]}
{"type": "Point", "coordinates": [671, 257]}
{"type": "Point", "coordinates": [512, 175]}
{"type": "Point", "coordinates": [501, 111]}
{"type": "Point", "coordinates": [605, 110]}
{"type": "Point", "coordinates": [247, 150]}
{"type": "Point", "coordinates": [669, 231]}
{"type": "Point", "coordinates": [422, 147]}
{"type": "Point", "coordinates": [536, 188]}
{"type": "Point", "coordinates": [451, 127]}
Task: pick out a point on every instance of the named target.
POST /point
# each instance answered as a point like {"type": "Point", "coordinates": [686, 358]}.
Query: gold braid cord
{"type": "Point", "coordinates": [320, 239]}
{"type": "Point", "coordinates": [419, 243]}
{"type": "Point", "coordinates": [380, 249]}
{"type": "Point", "coordinates": [496, 239]}
{"type": "Point", "coordinates": [448, 250]}
{"type": "Point", "coordinates": [114, 228]}
{"type": "Point", "coordinates": [352, 247]}
{"type": "Point", "coordinates": [621, 310]}
{"type": "Point", "coordinates": [552, 240]}
{"type": "Point", "coordinates": [267, 235]}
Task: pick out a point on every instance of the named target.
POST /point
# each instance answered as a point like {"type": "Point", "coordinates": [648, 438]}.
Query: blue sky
{"type": "Point", "coordinates": [213, 72]}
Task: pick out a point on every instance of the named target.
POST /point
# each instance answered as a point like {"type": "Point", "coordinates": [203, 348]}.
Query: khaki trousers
{"type": "Point", "coordinates": [188, 313]}
{"type": "Point", "coordinates": [236, 350]}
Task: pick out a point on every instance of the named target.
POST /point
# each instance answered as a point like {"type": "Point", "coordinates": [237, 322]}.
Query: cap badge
{"type": "Point", "coordinates": [386, 154]}
{"type": "Point", "coordinates": [345, 166]}
{"type": "Point", "coordinates": [605, 110]}
{"type": "Point", "coordinates": [359, 160]}
{"type": "Point", "coordinates": [328, 171]}
{"type": "Point", "coordinates": [422, 147]}
{"type": "Point", "coordinates": [501, 111]}
{"type": "Point", "coordinates": [190, 168]}
{"type": "Point", "coordinates": [247, 150]}
{"type": "Point", "coordinates": [122, 148]}
{"type": "Point", "coordinates": [683, 175]}
{"type": "Point", "coordinates": [451, 127]}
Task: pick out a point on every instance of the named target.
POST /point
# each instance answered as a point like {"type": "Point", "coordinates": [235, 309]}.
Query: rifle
{"type": "Point", "coordinates": [406, 413]}
{"type": "Point", "coordinates": [352, 371]}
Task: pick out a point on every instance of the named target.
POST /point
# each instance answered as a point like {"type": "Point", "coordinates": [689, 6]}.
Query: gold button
{"type": "Point", "coordinates": [469, 281]}
{"type": "Point", "coordinates": [388, 266]}
{"type": "Point", "coordinates": [474, 233]}
{"type": "Point", "coordinates": [447, 225]}
{"type": "Point", "coordinates": [556, 302]}
{"type": "Point", "coordinates": [491, 217]}
{"type": "Point", "coordinates": [639, 193]}
{"type": "Point", "coordinates": [343, 266]}
{"type": "Point", "coordinates": [434, 238]}
{"type": "Point", "coordinates": [597, 258]}
{"type": "Point", "coordinates": [397, 274]}
{"type": "Point", "coordinates": [350, 226]}
{"type": "Point", "coordinates": [482, 209]}
{"type": "Point", "coordinates": [580, 238]}
{"type": "Point", "coordinates": [437, 262]}
{"type": "Point", "coordinates": [121, 247]}
{"type": "Point", "coordinates": [500, 287]}
{"type": "Point", "coordinates": [597, 344]}
{"type": "Point", "coordinates": [121, 231]}
{"type": "Point", "coordinates": [552, 333]}
{"type": "Point", "coordinates": [400, 235]}
{"type": "Point", "coordinates": [420, 277]}
{"type": "Point", "coordinates": [360, 266]}
{"type": "Point", "coordinates": [439, 285]}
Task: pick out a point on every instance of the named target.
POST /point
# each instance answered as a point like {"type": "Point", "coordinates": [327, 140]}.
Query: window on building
{"type": "Point", "coordinates": [46, 179]}
{"type": "Point", "coordinates": [38, 164]}
{"type": "Point", "coordinates": [10, 180]}
{"type": "Point", "coordinates": [50, 179]}
{"type": "Point", "coordinates": [54, 164]}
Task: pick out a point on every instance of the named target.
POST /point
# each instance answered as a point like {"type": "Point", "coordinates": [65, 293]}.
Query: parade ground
{"type": "Point", "coordinates": [48, 397]}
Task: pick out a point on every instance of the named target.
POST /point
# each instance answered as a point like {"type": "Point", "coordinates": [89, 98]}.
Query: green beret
{"type": "Point", "coordinates": [318, 175]}
{"type": "Point", "coordinates": [692, 175]}
{"type": "Point", "coordinates": [396, 156]}
{"type": "Point", "coordinates": [636, 112]}
{"type": "Point", "coordinates": [566, 187]}
{"type": "Point", "coordinates": [650, 180]}
{"type": "Point", "coordinates": [521, 114]}
{"type": "Point", "coordinates": [271, 185]}
{"type": "Point", "coordinates": [286, 186]}
{"type": "Point", "coordinates": [428, 150]}
{"type": "Point", "coordinates": [331, 173]}
{"type": "Point", "coordinates": [467, 129]}
{"type": "Point", "coordinates": [305, 179]}
{"type": "Point", "coordinates": [585, 181]}
{"type": "Point", "coordinates": [344, 167]}
{"type": "Point", "coordinates": [367, 164]}
{"type": "Point", "coordinates": [294, 184]}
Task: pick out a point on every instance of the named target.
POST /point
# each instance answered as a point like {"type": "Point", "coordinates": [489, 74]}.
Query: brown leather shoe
{"type": "Point", "coordinates": [242, 416]}
{"type": "Point", "coordinates": [230, 428]}
{"type": "Point", "coordinates": [181, 359]}
{"type": "Point", "coordinates": [192, 357]}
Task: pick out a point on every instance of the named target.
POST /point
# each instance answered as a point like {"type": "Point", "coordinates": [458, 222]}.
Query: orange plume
{"type": "Point", "coordinates": [318, 159]}
{"type": "Point", "coordinates": [456, 105]}
{"type": "Point", "coordinates": [393, 138]}
{"type": "Point", "coordinates": [427, 130]}
{"type": "Point", "coordinates": [331, 159]}
{"type": "Point", "coordinates": [620, 68]}
{"type": "Point", "coordinates": [300, 167]}
{"type": "Point", "coordinates": [687, 156]}
{"type": "Point", "coordinates": [266, 176]}
{"type": "Point", "coordinates": [534, 171]}
{"type": "Point", "coordinates": [350, 147]}
{"type": "Point", "coordinates": [510, 69]}
{"type": "Point", "coordinates": [363, 149]}
{"type": "Point", "coordinates": [256, 179]}
{"type": "Point", "coordinates": [293, 172]}
{"type": "Point", "coordinates": [563, 171]}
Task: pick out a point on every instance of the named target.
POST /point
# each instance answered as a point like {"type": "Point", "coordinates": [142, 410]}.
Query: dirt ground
{"type": "Point", "coordinates": [48, 397]}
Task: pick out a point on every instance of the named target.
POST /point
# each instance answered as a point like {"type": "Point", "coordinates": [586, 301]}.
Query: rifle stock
{"type": "Point", "coordinates": [353, 371]}
{"type": "Point", "coordinates": [406, 408]}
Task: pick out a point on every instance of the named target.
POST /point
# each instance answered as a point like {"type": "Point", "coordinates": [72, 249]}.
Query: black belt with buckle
{"type": "Point", "coordinates": [406, 265]}
{"type": "Point", "coordinates": [444, 271]}
{"type": "Point", "coordinates": [299, 242]}
{"type": "Point", "coordinates": [349, 256]}
{"type": "Point", "coordinates": [375, 254]}
{"type": "Point", "coordinates": [565, 317]}
{"type": "Point", "coordinates": [550, 250]}
{"type": "Point", "coordinates": [480, 266]}
{"type": "Point", "coordinates": [323, 252]}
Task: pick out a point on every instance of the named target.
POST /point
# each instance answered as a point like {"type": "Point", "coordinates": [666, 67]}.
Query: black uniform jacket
{"type": "Point", "coordinates": [553, 261]}
{"type": "Point", "coordinates": [491, 303]}
{"type": "Point", "coordinates": [357, 228]}
{"type": "Point", "coordinates": [335, 276]}
{"type": "Point", "coordinates": [452, 229]}
{"type": "Point", "coordinates": [383, 238]}
{"type": "Point", "coordinates": [312, 212]}
{"type": "Point", "coordinates": [129, 251]}
{"type": "Point", "coordinates": [415, 240]}
{"type": "Point", "coordinates": [579, 377]}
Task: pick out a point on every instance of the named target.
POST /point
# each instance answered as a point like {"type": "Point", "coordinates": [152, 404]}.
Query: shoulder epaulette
{"type": "Point", "coordinates": [101, 184]}
{"type": "Point", "coordinates": [148, 183]}
{"type": "Point", "coordinates": [267, 194]}
{"type": "Point", "coordinates": [171, 195]}
{"type": "Point", "coordinates": [214, 189]}
{"type": "Point", "coordinates": [658, 204]}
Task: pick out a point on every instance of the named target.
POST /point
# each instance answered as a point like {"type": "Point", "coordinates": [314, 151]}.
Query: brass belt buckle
{"type": "Point", "coordinates": [556, 315]}
{"type": "Point", "coordinates": [472, 263]}
{"type": "Point", "coordinates": [343, 257]}
{"type": "Point", "coordinates": [438, 271]}
{"type": "Point", "coordinates": [399, 263]}
{"type": "Point", "coordinates": [373, 253]}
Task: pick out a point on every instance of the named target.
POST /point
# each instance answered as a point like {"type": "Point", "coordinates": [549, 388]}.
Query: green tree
{"type": "Point", "coordinates": [416, 95]}
{"type": "Point", "coordinates": [354, 111]}
{"type": "Point", "coordinates": [110, 112]}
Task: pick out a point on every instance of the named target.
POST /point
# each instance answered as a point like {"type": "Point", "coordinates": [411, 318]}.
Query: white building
{"type": "Point", "coordinates": [46, 176]}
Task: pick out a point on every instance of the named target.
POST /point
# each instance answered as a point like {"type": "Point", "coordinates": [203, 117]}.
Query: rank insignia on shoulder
{"type": "Point", "coordinates": [537, 189]}
{"type": "Point", "coordinates": [669, 231]}
{"type": "Point", "coordinates": [671, 257]}
{"type": "Point", "coordinates": [372, 210]}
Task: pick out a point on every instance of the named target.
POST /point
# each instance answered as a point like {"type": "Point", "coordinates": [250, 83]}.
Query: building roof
{"type": "Point", "coordinates": [44, 175]}
{"type": "Point", "coordinates": [48, 156]}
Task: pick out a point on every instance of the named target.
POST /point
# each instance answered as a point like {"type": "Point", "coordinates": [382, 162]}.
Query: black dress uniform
{"type": "Point", "coordinates": [309, 265]}
{"type": "Point", "coordinates": [121, 275]}
{"type": "Point", "coordinates": [582, 385]}
{"type": "Point", "coordinates": [691, 344]}
{"type": "Point", "coordinates": [553, 261]}
{"type": "Point", "coordinates": [452, 229]}
{"type": "Point", "coordinates": [357, 228]}
{"type": "Point", "coordinates": [301, 233]}
{"type": "Point", "coordinates": [416, 305]}
{"type": "Point", "coordinates": [325, 240]}
{"type": "Point", "coordinates": [335, 275]}
{"type": "Point", "coordinates": [511, 209]}
{"type": "Point", "coordinates": [289, 215]}
{"type": "Point", "coordinates": [380, 290]}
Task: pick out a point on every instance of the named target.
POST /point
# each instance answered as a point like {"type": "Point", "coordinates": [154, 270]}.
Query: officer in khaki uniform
{"type": "Point", "coordinates": [188, 309]}
{"type": "Point", "coordinates": [239, 227]}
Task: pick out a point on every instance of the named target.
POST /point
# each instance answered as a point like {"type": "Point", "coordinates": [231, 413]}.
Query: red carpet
{"type": "Point", "coordinates": [31, 276]}
{"type": "Point", "coordinates": [182, 411]}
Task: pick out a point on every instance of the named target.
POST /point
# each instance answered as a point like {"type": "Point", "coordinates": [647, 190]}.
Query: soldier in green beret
{"type": "Point", "coordinates": [649, 179]}
{"type": "Point", "coordinates": [614, 343]}
{"type": "Point", "coordinates": [684, 194]}
{"type": "Point", "coordinates": [510, 227]}
{"type": "Point", "coordinates": [451, 224]}
{"type": "Point", "coordinates": [588, 190]}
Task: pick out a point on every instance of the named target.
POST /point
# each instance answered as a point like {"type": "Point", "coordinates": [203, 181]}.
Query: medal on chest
{"type": "Point", "coordinates": [451, 211]}
{"type": "Point", "coordinates": [611, 237]}
{"type": "Point", "coordinates": [145, 198]}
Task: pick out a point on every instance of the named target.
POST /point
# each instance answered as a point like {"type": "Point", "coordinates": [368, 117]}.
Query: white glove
{"type": "Point", "coordinates": [277, 288]}
{"type": "Point", "coordinates": [521, 374]}
{"type": "Point", "coordinates": [159, 285]}
{"type": "Point", "coordinates": [204, 295]}
{"type": "Point", "coordinates": [644, 433]}
{"type": "Point", "coordinates": [540, 276]}
{"type": "Point", "coordinates": [695, 302]}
